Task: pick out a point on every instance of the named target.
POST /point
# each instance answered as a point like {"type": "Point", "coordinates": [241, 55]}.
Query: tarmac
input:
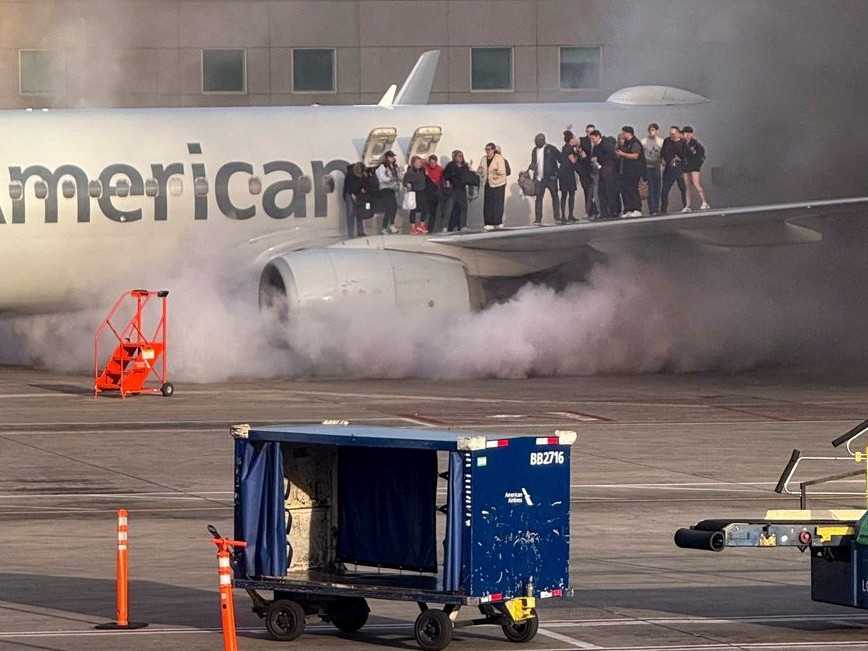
{"type": "Point", "coordinates": [654, 453]}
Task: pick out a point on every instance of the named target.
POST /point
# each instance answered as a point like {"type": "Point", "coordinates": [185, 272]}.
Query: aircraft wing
{"type": "Point", "coordinates": [779, 224]}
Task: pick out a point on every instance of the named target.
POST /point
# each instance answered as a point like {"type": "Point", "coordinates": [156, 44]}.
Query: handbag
{"type": "Point", "coordinates": [365, 208]}
{"type": "Point", "coordinates": [409, 202]}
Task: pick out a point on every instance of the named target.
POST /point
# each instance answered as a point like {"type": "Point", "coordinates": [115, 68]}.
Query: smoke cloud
{"type": "Point", "coordinates": [681, 313]}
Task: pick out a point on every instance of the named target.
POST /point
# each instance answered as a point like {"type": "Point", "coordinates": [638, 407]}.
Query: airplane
{"type": "Point", "coordinates": [97, 201]}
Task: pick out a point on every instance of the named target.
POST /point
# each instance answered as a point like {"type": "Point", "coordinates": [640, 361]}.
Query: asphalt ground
{"type": "Point", "coordinates": [654, 453]}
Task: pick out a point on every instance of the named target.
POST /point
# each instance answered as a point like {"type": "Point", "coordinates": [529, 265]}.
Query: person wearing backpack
{"type": "Point", "coordinates": [493, 173]}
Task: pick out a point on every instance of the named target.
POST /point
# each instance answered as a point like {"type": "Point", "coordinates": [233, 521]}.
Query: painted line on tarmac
{"type": "Point", "coordinates": [578, 644]}
{"type": "Point", "coordinates": [702, 621]}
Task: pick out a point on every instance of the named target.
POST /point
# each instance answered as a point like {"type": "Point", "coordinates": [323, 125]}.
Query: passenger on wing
{"type": "Point", "coordinates": [672, 154]}
{"type": "Point", "coordinates": [652, 144]}
{"type": "Point", "coordinates": [694, 157]}
{"type": "Point", "coordinates": [587, 174]}
{"type": "Point", "coordinates": [545, 161]}
{"type": "Point", "coordinates": [604, 161]}
{"type": "Point", "coordinates": [632, 167]}
{"type": "Point", "coordinates": [415, 181]}
{"type": "Point", "coordinates": [434, 194]}
{"type": "Point", "coordinates": [387, 177]}
{"type": "Point", "coordinates": [493, 172]}
{"type": "Point", "coordinates": [456, 177]}
{"type": "Point", "coordinates": [357, 200]}
{"type": "Point", "coordinates": [567, 175]}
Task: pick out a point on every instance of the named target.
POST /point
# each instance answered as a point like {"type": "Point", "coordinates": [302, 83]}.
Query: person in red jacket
{"type": "Point", "coordinates": [434, 193]}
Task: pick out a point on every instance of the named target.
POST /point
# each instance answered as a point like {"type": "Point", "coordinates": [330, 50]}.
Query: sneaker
{"type": "Point", "coordinates": [464, 229]}
{"type": "Point", "coordinates": [500, 226]}
{"type": "Point", "coordinates": [686, 209]}
{"type": "Point", "coordinates": [704, 206]}
{"type": "Point", "coordinates": [636, 213]}
{"type": "Point", "coordinates": [385, 231]}
{"type": "Point", "coordinates": [393, 229]}
{"type": "Point", "coordinates": [572, 220]}
{"type": "Point", "coordinates": [488, 227]}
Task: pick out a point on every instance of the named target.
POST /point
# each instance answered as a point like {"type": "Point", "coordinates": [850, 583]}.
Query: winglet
{"type": "Point", "coordinates": [388, 97]}
{"type": "Point", "coordinates": [416, 88]}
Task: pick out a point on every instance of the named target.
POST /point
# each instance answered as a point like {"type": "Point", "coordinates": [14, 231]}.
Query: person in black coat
{"type": "Point", "coordinates": [567, 175]}
{"type": "Point", "coordinates": [604, 159]}
{"type": "Point", "coordinates": [544, 168]}
{"type": "Point", "coordinates": [355, 192]}
{"type": "Point", "coordinates": [586, 172]}
{"type": "Point", "coordinates": [694, 157]}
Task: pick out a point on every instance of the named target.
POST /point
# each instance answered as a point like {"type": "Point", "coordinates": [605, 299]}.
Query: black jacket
{"type": "Point", "coordinates": [672, 153]}
{"type": "Point", "coordinates": [551, 162]}
{"type": "Point", "coordinates": [415, 179]}
{"type": "Point", "coordinates": [605, 155]}
{"type": "Point", "coordinates": [628, 166]}
{"type": "Point", "coordinates": [583, 167]}
{"type": "Point", "coordinates": [694, 155]}
{"type": "Point", "coordinates": [456, 175]}
{"type": "Point", "coordinates": [352, 183]}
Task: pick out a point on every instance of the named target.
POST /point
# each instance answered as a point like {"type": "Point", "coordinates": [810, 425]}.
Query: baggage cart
{"type": "Point", "coordinates": [336, 514]}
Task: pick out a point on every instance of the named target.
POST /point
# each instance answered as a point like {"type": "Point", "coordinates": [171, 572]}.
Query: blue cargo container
{"type": "Point", "coordinates": [335, 514]}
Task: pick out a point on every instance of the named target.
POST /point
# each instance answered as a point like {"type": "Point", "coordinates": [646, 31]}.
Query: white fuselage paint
{"type": "Point", "coordinates": [49, 265]}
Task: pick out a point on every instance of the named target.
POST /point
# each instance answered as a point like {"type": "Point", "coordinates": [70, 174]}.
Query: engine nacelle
{"type": "Point", "coordinates": [375, 279]}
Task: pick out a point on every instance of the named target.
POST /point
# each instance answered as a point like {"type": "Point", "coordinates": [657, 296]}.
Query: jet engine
{"type": "Point", "coordinates": [317, 279]}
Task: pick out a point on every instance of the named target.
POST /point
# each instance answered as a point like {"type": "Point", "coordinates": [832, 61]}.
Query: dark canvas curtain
{"type": "Point", "coordinates": [259, 507]}
{"type": "Point", "coordinates": [454, 506]}
{"type": "Point", "coordinates": [386, 507]}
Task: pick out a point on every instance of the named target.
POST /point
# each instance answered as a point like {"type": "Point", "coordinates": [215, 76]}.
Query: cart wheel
{"type": "Point", "coordinates": [349, 615]}
{"type": "Point", "coordinates": [168, 390]}
{"type": "Point", "coordinates": [433, 630]}
{"type": "Point", "coordinates": [523, 631]}
{"type": "Point", "coordinates": [284, 620]}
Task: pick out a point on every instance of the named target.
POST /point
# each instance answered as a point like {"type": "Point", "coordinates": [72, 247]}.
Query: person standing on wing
{"type": "Point", "coordinates": [545, 163]}
{"type": "Point", "coordinates": [492, 173]}
{"type": "Point", "coordinates": [694, 157]}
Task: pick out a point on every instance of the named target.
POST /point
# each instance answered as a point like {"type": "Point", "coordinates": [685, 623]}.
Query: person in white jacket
{"type": "Point", "coordinates": [388, 176]}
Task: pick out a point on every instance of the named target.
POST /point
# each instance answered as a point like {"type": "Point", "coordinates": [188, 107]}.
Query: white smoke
{"type": "Point", "coordinates": [704, 312]}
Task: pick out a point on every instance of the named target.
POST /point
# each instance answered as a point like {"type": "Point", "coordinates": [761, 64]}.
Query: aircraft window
{"type": "Point", "coordinates": [68, 189]}
{"type": "Point", "coordinates": [490, 68]}
{"type": "Point", "coordinates": [94, 189]}
{"type": "Point", "coordinates": [580, 67]}
{"type": "Point", "coordinates": [424, 141]}
{"type": "Point", "coordinates": [313, 70]}
{"type": "Point", "coordinates": [254, 185]}
{"type": "Point", "coordinates": [176, 187]}
{"type": "Point", "coordinates": [122, 188]}
{"type": "Point", "coordinates": [16, 190]}
{"type": "Point", "coordinates": [200, 186]}
{"type": "Point", "coordinates": [152, 188]}
{"type": "Point", "coordinates": [40, 188]}
{"type": "Point", "coordinates": [379, 141]}
{"type": "Point", "coordinates": [224, 71]}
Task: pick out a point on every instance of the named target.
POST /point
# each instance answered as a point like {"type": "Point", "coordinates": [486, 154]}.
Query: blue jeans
{"type": "Point", "coordinates": [652, 176]}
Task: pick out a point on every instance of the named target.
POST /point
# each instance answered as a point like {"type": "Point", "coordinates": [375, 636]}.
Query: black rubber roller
{"type": "Point", "coordinates": [709, 541]}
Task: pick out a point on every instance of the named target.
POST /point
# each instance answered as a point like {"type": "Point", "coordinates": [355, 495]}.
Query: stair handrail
{"type": "Point", "coordinates": [131, 325]}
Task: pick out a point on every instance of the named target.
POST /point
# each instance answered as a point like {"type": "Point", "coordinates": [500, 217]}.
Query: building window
{"type": "Point", "coordinates": [37, 72]}
{"type": "Point", "coordinates": [580, 67]}
{"type": "Point", "coordinates": [224, 71]}
{"type": "Point", "coordinates": [491, 68]}
{"type": "Point", "coordinates": [313, 70]}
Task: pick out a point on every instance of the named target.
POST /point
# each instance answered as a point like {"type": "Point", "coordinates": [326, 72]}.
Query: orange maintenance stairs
{"type": "Point", "coordinates": [138, 364]}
